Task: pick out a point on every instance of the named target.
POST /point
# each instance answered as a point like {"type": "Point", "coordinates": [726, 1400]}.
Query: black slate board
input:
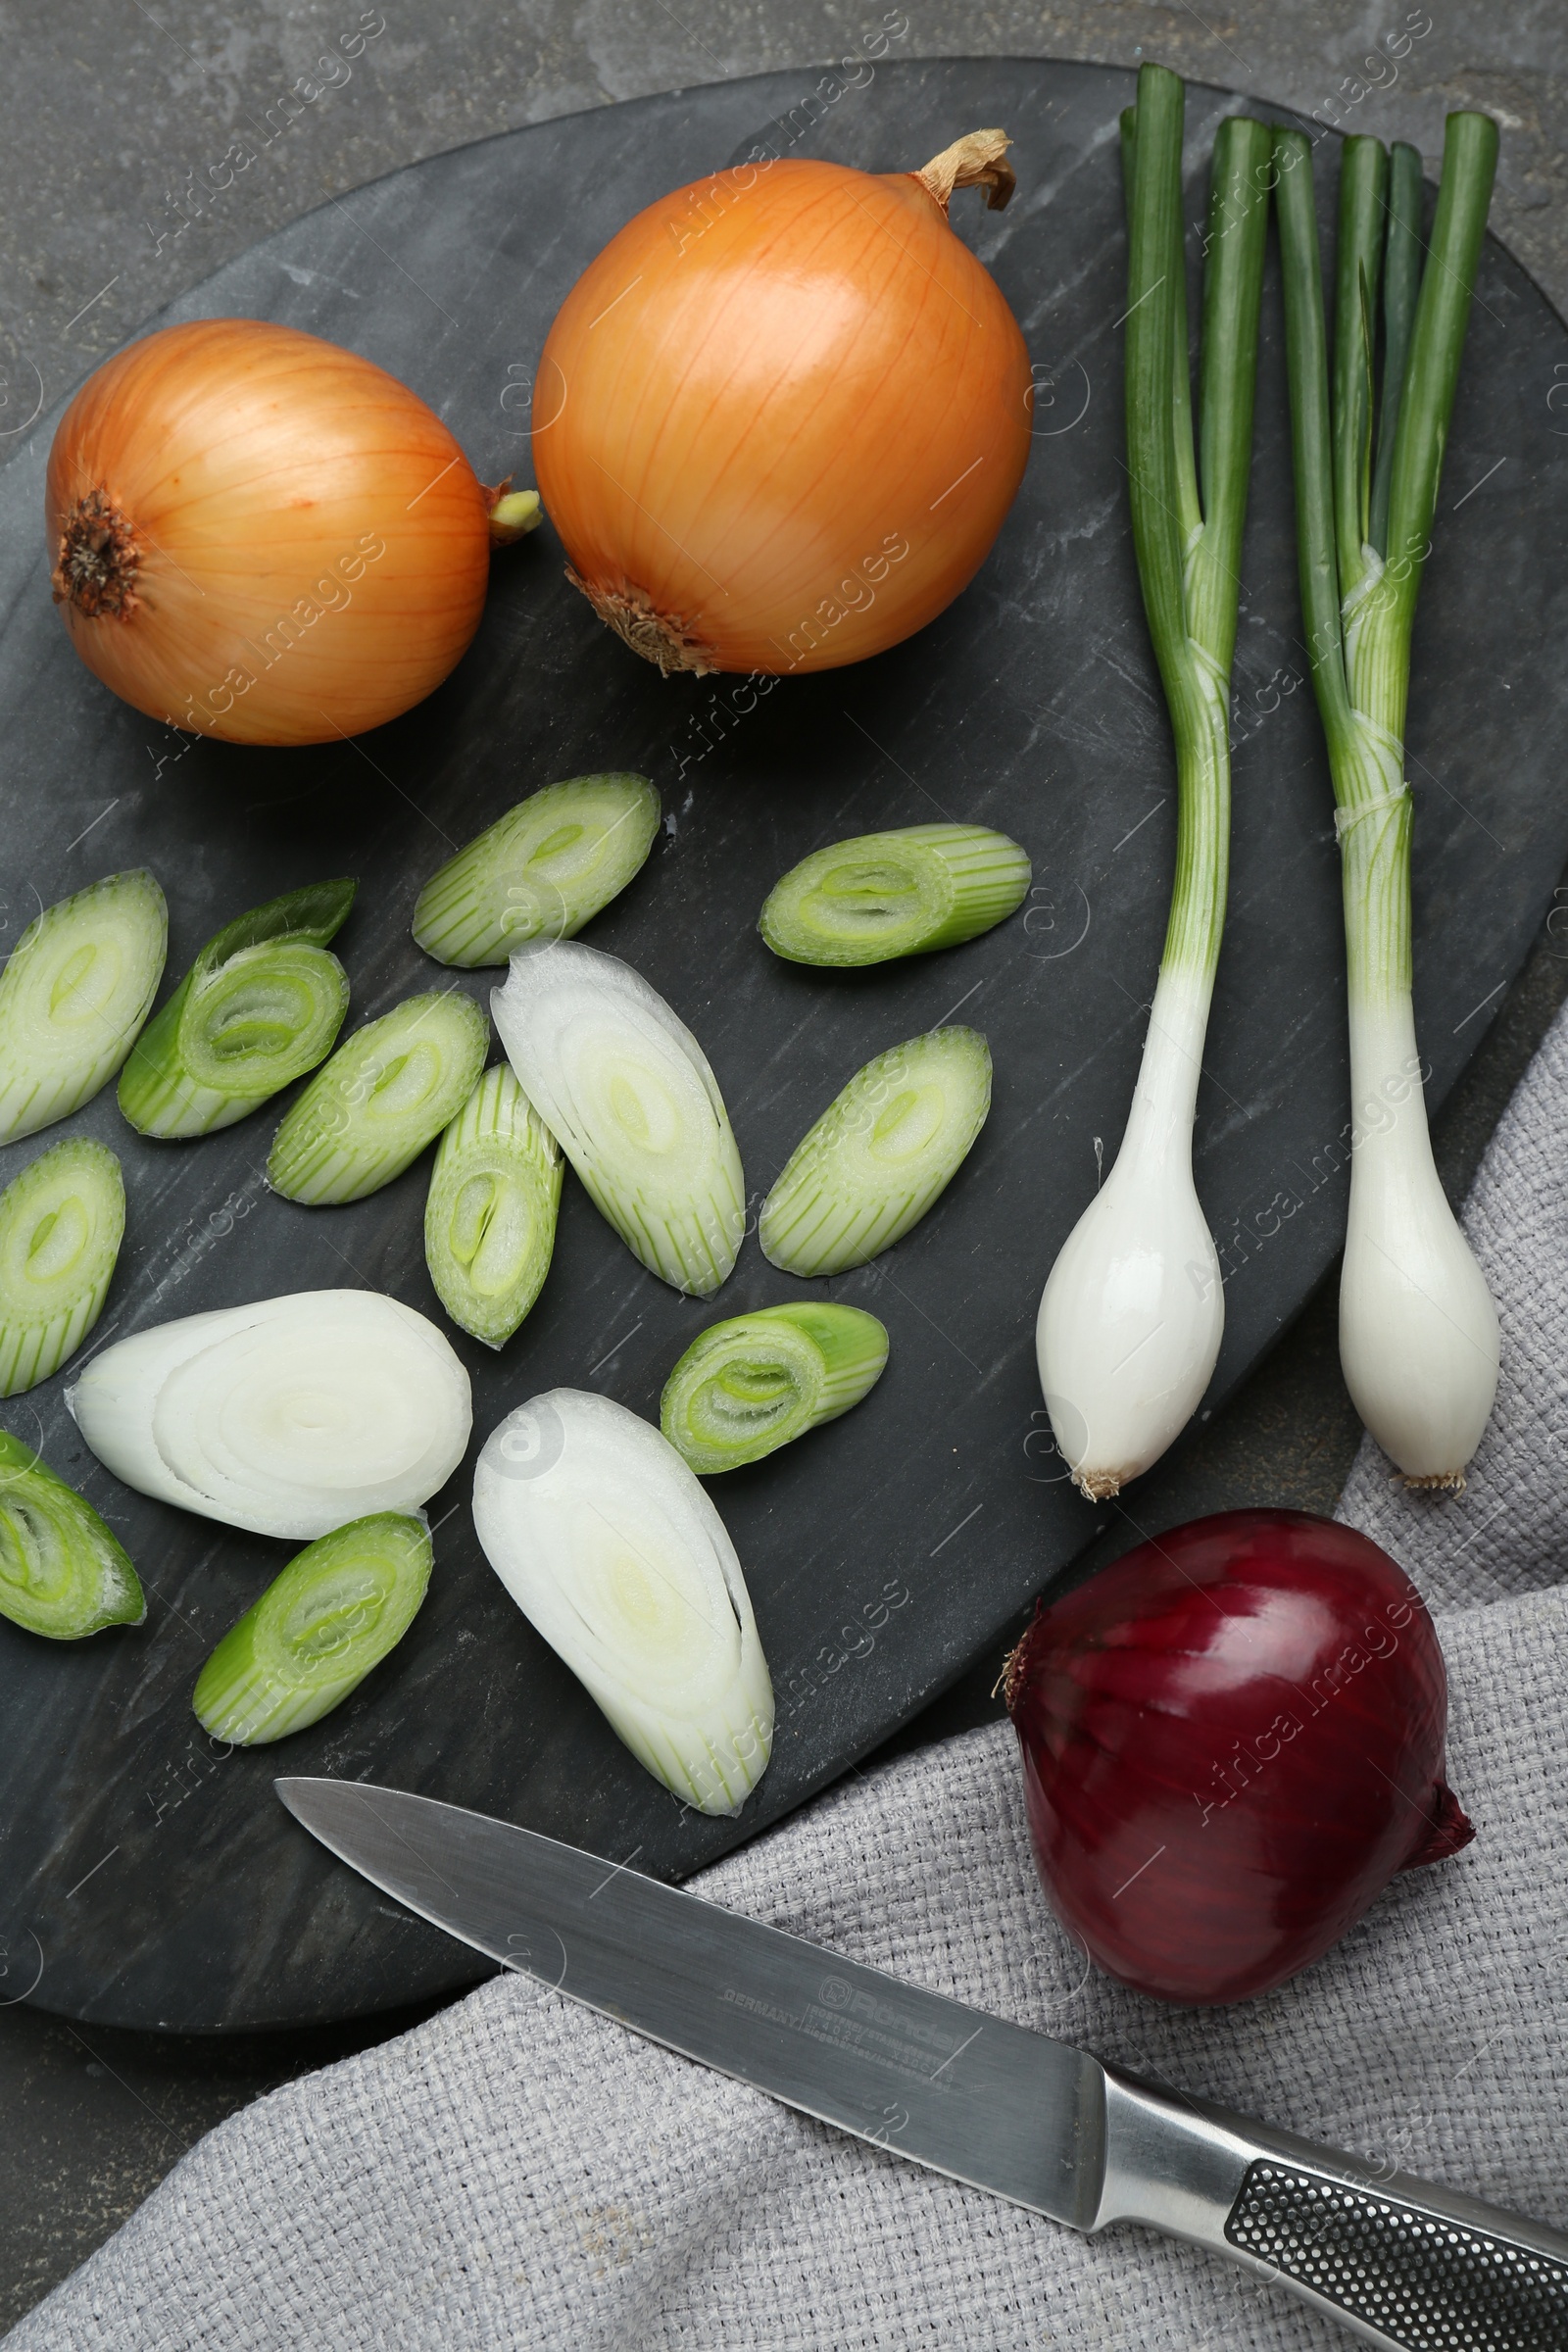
{"type": "Point", "coordinates": [146, 1879]}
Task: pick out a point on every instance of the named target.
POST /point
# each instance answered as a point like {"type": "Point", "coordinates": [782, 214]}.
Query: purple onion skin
{"type": "Point", "coordinates": [1232, 1740]}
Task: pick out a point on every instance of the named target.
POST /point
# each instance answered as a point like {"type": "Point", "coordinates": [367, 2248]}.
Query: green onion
{"type": "Point", "coordinates": [1124, 1358]}
{"type": "Point", "coordinates": [73, 996]}
{"type": "Point", "coordinates": [744, 1388]}
{"type": "Point", "coordinates": [62, 1221]}
{"type": "Point", "coordinates": [338, 1608]}
{"type": "Point", "coordinates": [879, 1154]}
{"type": "Point", "coordinates": [262, 1005]}
{"type": "Point", "coordinates": [62, 1572]}
{"type": "Point", "coordinates": [542, 871]}
{"type": "Point", "coordinates": [903, 893]}
{"type": "Point", "coordinates": [627, 1092]}
{"type": "Point", "coordinates": [490, 1215]}
{"type": "Point", "coordinates": [1418, 1331]}
{"type": "Point", "coordinates": [383, 1096]}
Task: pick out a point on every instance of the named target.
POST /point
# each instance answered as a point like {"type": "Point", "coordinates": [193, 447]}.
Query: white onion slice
{"type": "Point", "coordinates": [290, 1416]}
{"type": "Point", "coordinates": [614, 1552]}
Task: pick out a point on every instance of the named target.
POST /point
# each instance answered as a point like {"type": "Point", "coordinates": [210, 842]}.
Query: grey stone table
{"type": "Point", "coordinates": [118, 121]}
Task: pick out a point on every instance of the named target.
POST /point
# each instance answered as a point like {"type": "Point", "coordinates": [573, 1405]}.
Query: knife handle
{"type": "Point", "coordinates": [1400, 2262]}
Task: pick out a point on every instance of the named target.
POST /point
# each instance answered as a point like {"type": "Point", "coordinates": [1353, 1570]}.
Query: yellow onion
{"type": "Point", "coordinates": [780, 420]}
{"type": "Point", "coordinates": [260, 536]}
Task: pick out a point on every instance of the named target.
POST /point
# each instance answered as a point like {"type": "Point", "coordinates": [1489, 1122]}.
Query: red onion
{"type": "Point", "coordinates": [1232, 1740]}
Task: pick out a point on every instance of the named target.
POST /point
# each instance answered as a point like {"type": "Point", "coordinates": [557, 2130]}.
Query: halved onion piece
{"type": "Point", "coordinates": [62, 1221]}
{"type": "Point", "coordinates": [62, 1574]}
{"type": "Point", "coordinates": [289, 1416]}
{"type": "Point", "coordinates": [614, 1553]}
{"type": "Point", "coordinates": [541, 872]}
{"type": "Point", "coordinates": [262, 1005]}
{"type": "Point", "coordinates": [627, 1092]}
{"type": "Point", "coordinates": [749, 1386]}
{"type": "Point", "coordinates": [336, 1611]}
{"type": "Point", "coordinates": [903, 893]}
{"type": "Point", "coordinates": [490, 1214]}
{"type": "Point", "coordinates": [879, 1156]}
{"type": "Point", "coordinates": [73, 996]}
{"type": "Point", "coordinates": [383, 1096]}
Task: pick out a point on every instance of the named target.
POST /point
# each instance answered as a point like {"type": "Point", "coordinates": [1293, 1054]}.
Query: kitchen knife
{"type": "Point", "coordinates": [1400, 2262]}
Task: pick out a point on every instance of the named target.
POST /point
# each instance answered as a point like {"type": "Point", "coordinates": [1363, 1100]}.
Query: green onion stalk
{"type": "Point", "coordinates": [1131, 1318]}
{"type": "Point", "coordinates": [1418, 1331]}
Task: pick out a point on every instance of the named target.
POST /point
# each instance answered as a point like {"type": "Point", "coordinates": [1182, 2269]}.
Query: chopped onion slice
{"type": "Point", "coordinates": [289, 1416]}
{"type": "Point", "coordinates": [62, 1221]}
{"type": "Point", "coordinates": [490, 1215]}
{"type": "Point", "coordinates": [614, 1553]}
{"type": "Point", "coordinates": [627, 1092]}
{"type": "Point", "coordinates": [903, 893]}
{"type": "Point", "coordinates": [336, 1611]}
{"type": "Point", "coordinates": [262, 1005]}
{"type": "Point", "coordinates": [62, 1572]}
{"type": "Point", "coordinates": [879, 1156]}
{"type": "Point", "coordinates": [749, 1386]}
{"type": "Point", "coordinates": [383, 1096]}
{"type": "Point", "coordinates": [73, 996]}
{"type": "Point", "coordinates": [541, 872]}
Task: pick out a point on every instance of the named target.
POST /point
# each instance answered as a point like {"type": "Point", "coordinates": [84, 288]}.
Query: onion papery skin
{"type": "Point", "coordinates": [1232, 1739]}
{"type": "Point", "coordinates": [307, 546]}
{"type": "Point", "coordinates": [781, 419]}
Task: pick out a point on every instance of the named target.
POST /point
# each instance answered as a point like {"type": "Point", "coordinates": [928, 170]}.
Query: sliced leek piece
{"type": "Point", "coordinates": [338, 1608]}
{"type": "Point", "coordinates": [262, 1005]}
{"type": "Point", "coordinates": [62, 1572]}
{"type": "Point", "coordinates": [490, 1214]}
{"type": "Point", "coordinates": [62, 1221]}
{"type": "Point", "coordinates": [73, 996]}
{"type": "Point", "coordinates": [747, 1387]}
{"type": "Point", "coordinates": [384, 1094]}
{"type": "Point", "coordinates": [879, 1156]}
{"type": "Point", "coordinates": [541, 872]}
{"type": "Point", "coordinates": [903, 893]}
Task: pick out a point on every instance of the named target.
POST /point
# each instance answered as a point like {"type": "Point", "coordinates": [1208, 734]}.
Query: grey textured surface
{"type": "Point", "coordinates": [109, 112]}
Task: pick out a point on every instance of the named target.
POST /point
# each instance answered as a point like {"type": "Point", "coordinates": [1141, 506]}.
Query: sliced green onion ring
{"type": "Point", "coordinates": [490, 1214]}
{"type": "Point", "coordinates": [262, 1005]}
{"type": "Point", "coordinates": [62, 1574]}
{"type": "Point", "coordinates": [610, 1548]}
{"type": "Point", "coordinates": [879, 1156]}
{"type": "Point", "coordinates": [541, 872]}
{"type": "Point", "coordinates": [384, 1094]}
{"type": "Point", "coordinates": [747, 1387]}
{"type": "Point", "coordinates": [905, 892]}
{"type": "Point", "coordinates": [627, 1092]}
{"type": "Point", "coordinates": [62, 1221]}
{"type": "Point", "coordinates": [338, 1608]}
{"type": "Point", "coordinates": [73, 996]}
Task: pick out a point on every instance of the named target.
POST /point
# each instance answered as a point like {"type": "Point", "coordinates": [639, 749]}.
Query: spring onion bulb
{"type": "Point", "coordinates": [384, 1094]}
{"type": "Point", "coordinates": [62, 1573]}
{"type": "Point", "coordinates": [490, 1214]}
{"type": "Point", "coordinates": [614, 1553]}
{"type": "Point", "coordinates": [262, 1005]}
{"type": "Point", "coordinates": [75, 994]}
{"type": "Point", "coordinates": [289, 1416]}
{"type": "Point", "coordinates": [744, 1388]}
{"type": "Point", "coordinates": [627, 1092]}
{"type": "Point", "coordinates": [1418, 1331]}
{"type": "Point", "coordinates": [542, 871]}
{"type": "Point", "coordinates": [62, 1221]}
{"type": "Point", "coordinates": [336, 1611]}
{"type": "Point", "coordinates": [1130, 1323]}
{"type": "Point", "coordinates": [879, 1156]}
{"type": "Point", "coordinates": [903, 893]}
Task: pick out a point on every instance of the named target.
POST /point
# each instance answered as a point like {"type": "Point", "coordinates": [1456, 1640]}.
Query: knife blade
{"type": "Point", "coordinates": [1402, 2263]}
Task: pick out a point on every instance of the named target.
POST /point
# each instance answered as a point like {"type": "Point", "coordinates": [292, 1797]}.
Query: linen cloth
{"type": "Point", "coordinates": [520, 2173]}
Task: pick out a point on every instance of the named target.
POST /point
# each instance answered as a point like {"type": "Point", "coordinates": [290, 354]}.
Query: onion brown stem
{"type": "Point", "coordinates": [977, 161]}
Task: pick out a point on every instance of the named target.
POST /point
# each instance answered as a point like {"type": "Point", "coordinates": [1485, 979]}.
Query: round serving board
{"type": "Point", "coordinates": [148, 1878]}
